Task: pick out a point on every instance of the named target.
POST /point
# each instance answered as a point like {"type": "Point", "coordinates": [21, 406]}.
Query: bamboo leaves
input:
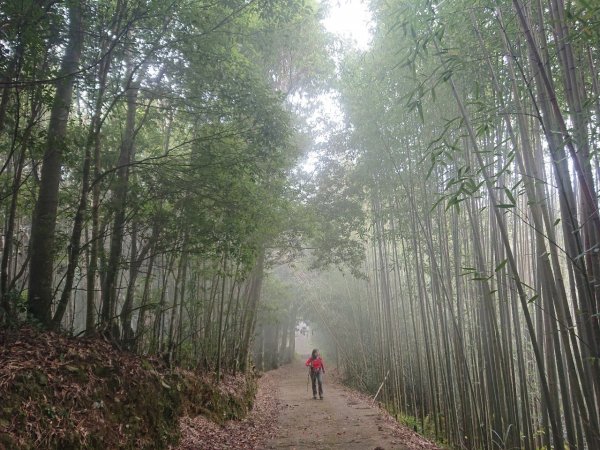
{"type": "Point", "coordinates": [495, 174]}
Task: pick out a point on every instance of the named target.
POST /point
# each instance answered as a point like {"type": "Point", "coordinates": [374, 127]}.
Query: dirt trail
{"type": "Point", "coordinates": [343, 420]}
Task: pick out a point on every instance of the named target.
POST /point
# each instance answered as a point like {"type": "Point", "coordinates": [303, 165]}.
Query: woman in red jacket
{"type": "Point", "coordinates": [317, 369]}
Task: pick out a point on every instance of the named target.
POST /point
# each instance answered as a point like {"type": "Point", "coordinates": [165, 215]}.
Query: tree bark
{"type": "Point", "coordinates": [120, 194]}
{"type": "Point", "coordinates": [253, 301]}
{"type": "Point", "coordinates": [93, 141]}
{"type": "Point", "coordinates": [44, 217]}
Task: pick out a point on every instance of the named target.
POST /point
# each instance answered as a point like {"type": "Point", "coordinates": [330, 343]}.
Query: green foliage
{"type": "Point", "coordinates": [424, 427]}
{"type": "Point", "coordinates": [208, 184]}
{"type": "Point", "coordinates": [433, 171]}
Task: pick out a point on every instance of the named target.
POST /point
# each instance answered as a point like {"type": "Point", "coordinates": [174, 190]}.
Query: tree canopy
{"type": "Point", "coordinates": [444, 245]}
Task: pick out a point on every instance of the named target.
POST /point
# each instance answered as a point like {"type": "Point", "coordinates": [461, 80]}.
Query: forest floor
{"type": "Point", "coordinates": [286, 417]}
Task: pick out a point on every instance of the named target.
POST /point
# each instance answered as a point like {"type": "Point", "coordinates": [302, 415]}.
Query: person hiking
{"type": "Point", "coordinates": [317, 369]}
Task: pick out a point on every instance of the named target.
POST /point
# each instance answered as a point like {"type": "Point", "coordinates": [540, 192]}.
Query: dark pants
{"type": "Point", "coordinates": [317, 377]}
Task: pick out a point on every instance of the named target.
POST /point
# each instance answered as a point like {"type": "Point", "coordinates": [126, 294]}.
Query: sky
{"type": "Point", "coordinates": [350, 19]}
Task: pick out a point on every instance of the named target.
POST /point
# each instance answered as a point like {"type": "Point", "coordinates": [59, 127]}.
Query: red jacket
{"type": "Point", "coordinates": [315, 364]}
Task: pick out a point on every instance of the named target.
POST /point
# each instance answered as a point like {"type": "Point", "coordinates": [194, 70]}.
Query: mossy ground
{"type": "Point", "coordinates": [67, 393]}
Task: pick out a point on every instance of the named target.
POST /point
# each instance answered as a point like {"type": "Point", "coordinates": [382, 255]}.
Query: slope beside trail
{"type": "Point", "coordinates": [343, 420]}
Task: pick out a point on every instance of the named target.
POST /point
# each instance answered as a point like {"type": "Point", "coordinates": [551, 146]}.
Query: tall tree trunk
{"type": "Point", "coordinates": [159, 319]}
{"type": "Point", "coordinates": [221, 314]}
{"type": "Point", "coordinates": [254, 293]}
{"type": "Point", "coordinates": [120, 194]}
{"type": "Point", "coordinates": [9, 233]}
{"type": "Point", "coordinates": [552, 414]}
{"type": "Point", "coordinates": [140, 329]}
{"type": "Point", "coordinates": [74, 249]}
{"type": "Point", "coordinates": [136, 262]}
{"type": "Point", "coordinates": [44, 217]}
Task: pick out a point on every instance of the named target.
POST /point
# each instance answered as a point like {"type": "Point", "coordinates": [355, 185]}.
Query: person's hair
{"type": "Point", "coordinates": [314, 353]}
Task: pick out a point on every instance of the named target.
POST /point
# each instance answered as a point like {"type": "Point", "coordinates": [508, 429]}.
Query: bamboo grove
{"type": "Point", "coordinates": [470, 156]}
{"type": "Point", "coordinates": [149, 185]}
{"type": "Point", "coordinates": [146, 149]}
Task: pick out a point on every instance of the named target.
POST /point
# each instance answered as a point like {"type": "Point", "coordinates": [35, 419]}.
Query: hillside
{"type": "Point", "coordinates": [61, 392]}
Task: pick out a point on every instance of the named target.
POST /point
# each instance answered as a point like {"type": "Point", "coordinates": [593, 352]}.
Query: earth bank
{"type": "Point", "coordinates": [67, 393]}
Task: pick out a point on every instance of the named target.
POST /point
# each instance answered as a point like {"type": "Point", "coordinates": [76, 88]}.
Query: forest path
{"type": "Point", "coordinates": [343, 420]}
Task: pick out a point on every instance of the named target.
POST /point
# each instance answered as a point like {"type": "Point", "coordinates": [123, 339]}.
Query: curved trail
{"type": "Point", "coordinates": [343, 420]}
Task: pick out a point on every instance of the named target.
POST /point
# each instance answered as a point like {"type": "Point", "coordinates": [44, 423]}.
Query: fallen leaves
{"type": "Point", "coordinates": [61, 392]}
{"type": "Point", "coordinates": [199, 433]}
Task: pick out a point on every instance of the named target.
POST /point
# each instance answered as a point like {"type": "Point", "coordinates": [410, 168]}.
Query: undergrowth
{"type": "Point", "coordinates": [65, 393]}
{"type": "Point", "coordinates": [424, 427]}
